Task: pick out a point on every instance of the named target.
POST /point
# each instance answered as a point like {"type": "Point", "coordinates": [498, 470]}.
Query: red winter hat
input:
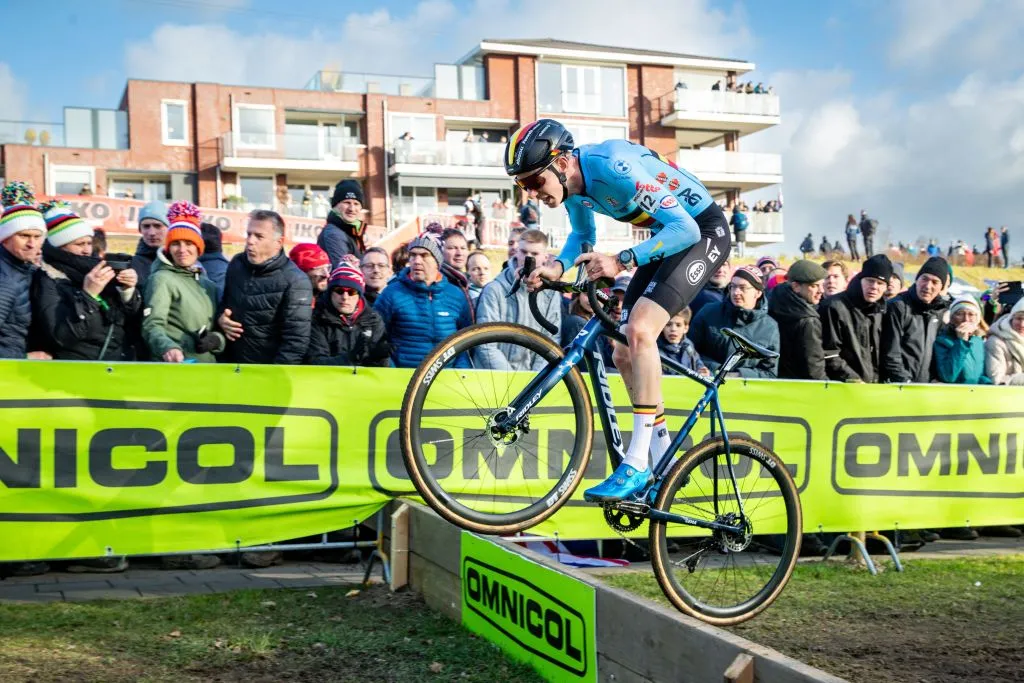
{"type": "Point", "coordinates": [308, 256]}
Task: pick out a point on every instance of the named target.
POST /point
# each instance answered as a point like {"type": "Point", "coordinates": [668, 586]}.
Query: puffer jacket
{"type": "Point", "coordinates": [959, 361]}
{"type": "Point", "coordinates": [143, 260]}
{"type": "Point", "coordinates": [337, 340]}
{"type": "Point", "coordinates": [179, 304]}
{"type": "Point", "coordinates": [69, 324]}
{"type": "Point", "coordinates": [909, 330]}
{"type": "Point", "coordinates": [274, 303]}
{"type": "Point", "coordinates": [495, 305]}
{"type": "Point", "coordinates": [338, 238]}
{"type": "Point", "coordinates": [714, 347]}
{"type": "Point", "coordinates": [851, 330]}
{"type": "Point", "coordinates": [418, 316]}
{"type": "Point", "coordinates": [799, 324]}
{"type": "Point", "coordinates": [15, 304]}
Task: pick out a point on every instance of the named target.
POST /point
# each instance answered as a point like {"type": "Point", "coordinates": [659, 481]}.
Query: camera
{"type": "Point", "coordinates": [118, 262]}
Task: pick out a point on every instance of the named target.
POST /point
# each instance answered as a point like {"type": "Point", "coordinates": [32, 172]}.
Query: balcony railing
{"type": "Point", "coordinates": [32, 133]}
{"type": "Point", "coordinates": [294, 146]}
{"type": "Point", "coordinates": [385, 84]}
{"type": "Point", "coordinates": [721, 102]}
{"type": "Point", "coordinates": [442, 153]}
{"type": "Point", "coordinates": [720, 161]}
{"type": "Point", "coordinates": [762, 223]}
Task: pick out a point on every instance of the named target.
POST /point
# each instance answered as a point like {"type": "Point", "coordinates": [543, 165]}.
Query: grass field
{"type": "Point", "coordinates": [941, 621]}
{"type": "Point", "coordinates": [252, 636]}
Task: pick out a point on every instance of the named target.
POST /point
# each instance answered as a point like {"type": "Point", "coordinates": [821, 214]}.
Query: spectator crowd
{"type": "Point", "coordinates": [179, 299]}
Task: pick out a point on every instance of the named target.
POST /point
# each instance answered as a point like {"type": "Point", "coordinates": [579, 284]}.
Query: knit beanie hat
{"type": "Point", "coordinates": [937, 266]}
{"type": "Point", "coordinates": [20, 212]}
{"type": "Point", "coordinates": [897, 271]}
{"type": "Point", "coordinates": [211, 238]}
{"type": "Point", "coordinates": [183, 220]}
{"type": "Point", "coordinates": [308, 256]}
{"type": "Point", "coordinates": [347, 276]}
{"type": "Point", "coordinates": [431, 242]}
{"type": "Point", "coordinates": [767, 259]}
{"type": "Point", "coordinates": [63, 226]}
{"type": "Point", "coordinates": [806, 272]}
{"type": "Point", "coordinates": [778, 277]}
{"type": "Point", "coordinates": [878, 266]}
{"type": "Point", "coordinates": [347, 189]}
{"type": "Point", "coordinates": [155, 210]}
{"type": "Point", "coordinates": [751, 275]}
{"type": "Point", "coordinates": [964, 301]}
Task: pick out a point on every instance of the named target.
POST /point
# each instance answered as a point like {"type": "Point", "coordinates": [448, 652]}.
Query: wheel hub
{"type": "Point", "coordinates": [734, 542]}
{"type": "Point", "coordinates": [502, 434]}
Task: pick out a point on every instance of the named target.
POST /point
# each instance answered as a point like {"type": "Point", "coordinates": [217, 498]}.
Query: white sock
{"type": "Point", "coordinates": [661, 439]}
{"type": "Point", "coordinates": [643, 428]}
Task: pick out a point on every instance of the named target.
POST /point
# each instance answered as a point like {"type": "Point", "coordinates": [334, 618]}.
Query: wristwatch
{"type": "Point", "coordinates": [627, 259]}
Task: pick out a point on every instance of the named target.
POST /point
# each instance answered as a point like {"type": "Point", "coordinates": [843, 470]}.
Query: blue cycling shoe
{"type": "Point", "coordinates": [625, 481]}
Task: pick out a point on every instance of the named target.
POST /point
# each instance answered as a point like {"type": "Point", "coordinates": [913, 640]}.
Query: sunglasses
{"type": "Point", "coordinates": [534, 181]}
{"type": "Point", "coordinates": [346, 291]}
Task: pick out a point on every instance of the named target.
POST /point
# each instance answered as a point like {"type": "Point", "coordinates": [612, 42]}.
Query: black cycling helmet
{"type": "Point", "coordinates": [535, 145]}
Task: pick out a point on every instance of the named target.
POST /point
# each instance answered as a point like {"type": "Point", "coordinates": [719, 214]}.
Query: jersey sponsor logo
{"type": "Point", "coordinates": [646, 200]}
{"type": "Point", "coordinates": [719, 231]}
{"type": "Point", "coordinates": [612, 202]}
{"type": "Point", "coordinates": [673, 184]}
{"type": "Point", "coordinates": [651, 286]}
{"type": "Point", "coordinates": [690, 197]}
{"type": "Point", "coordinates": [622, 167]}
{"type": "Point", "coordinates": [668, 201]}
{"type": "Point", "coordinates": [662, 177]}
{"type": "Point", "coordinates": [587, 203]}
{"type": "Point", "coordinates": [647, 187]}
{"type": "Point", "coordinates": [715, 253]}
{"type": "Point", "coordinates": [695, 271]}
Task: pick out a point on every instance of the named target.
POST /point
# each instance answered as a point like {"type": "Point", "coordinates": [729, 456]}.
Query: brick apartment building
{"type": "Point", "coordinates": [419, 145]}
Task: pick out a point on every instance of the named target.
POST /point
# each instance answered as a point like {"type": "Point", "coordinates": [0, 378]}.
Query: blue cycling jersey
{"type": "Point", "coordinates": [634, 184]}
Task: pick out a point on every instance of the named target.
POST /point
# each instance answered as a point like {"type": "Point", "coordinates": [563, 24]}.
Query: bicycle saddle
{"type": "Point", "coordinates": [749, 348]}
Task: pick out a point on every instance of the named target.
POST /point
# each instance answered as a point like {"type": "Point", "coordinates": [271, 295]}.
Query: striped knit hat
{"type": "Point", "coordinates": [347, 276]}
{"type": "Point", "coordinates": [183, 219]}
{"type": "Point", "coordinates": [20, 212]}
{"type": "Point", "coordinates": [63, 226]}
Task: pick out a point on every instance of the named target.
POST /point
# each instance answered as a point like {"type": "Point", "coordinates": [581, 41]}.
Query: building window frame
{"type": "Point", "coordinates": [58, 168]}
{"type": "Point", "coordinates": [164, 137]}
{"type": "Point", "coordinates": [236, 131]}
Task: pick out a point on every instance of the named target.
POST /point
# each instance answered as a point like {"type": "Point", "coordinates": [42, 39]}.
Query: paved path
{"type": "Point", "coordinates": [158, 583]}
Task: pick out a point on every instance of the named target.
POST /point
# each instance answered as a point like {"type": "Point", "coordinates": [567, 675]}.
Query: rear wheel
{"type": "Point", "coordinates": [722, 577]}
{"type": "Point", "coordinates": [470, 469]}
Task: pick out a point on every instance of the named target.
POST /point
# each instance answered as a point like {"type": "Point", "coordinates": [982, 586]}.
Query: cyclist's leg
{"type": "Point", "coordinates": [620, 352]}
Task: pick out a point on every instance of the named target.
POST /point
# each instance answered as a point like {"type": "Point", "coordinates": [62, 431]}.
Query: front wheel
{"type": "Point", "coordinates": [465, 462]}
{"type": "Point", "coordinates": [722, 577]}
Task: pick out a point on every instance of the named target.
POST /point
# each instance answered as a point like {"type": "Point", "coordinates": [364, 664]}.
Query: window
{"type": "Point", "coordinates": [308, 200]}
{"type": "Point", "coordinates": [146, 189]}
{"type": "Point", "coordinates": [258, 192]}
{"type": "Point", "coordinates": [581, 89]}
{"type": "Point", "coordinates": [71, 179]}
{"type": "Point", "coordinates": [419, 126]}
{"type": "Point", "coordinates": [174, 122]}
{"type": "Point", "coordinates": [254, 126]}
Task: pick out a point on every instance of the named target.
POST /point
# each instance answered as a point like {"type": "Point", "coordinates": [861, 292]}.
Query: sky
{"type": "Point", "coordinates": [910, 109]}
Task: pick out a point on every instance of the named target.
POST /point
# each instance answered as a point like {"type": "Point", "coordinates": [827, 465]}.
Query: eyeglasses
{"type": "Point", "coordinates": [375, 266]}
{"type": "Point", "coordinates": [534, 181]}
{"type": "Point", "coordinates": [743, 289]}
{"type": "Point", "coordinates": [346, 291]}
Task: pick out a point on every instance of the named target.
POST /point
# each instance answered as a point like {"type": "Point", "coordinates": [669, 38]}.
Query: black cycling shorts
{"type": "Point", "coordinates": [674, 282]}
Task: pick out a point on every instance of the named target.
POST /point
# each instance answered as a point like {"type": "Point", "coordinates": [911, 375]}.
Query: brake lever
{"type": "Point", "coordinates": [529, 264]}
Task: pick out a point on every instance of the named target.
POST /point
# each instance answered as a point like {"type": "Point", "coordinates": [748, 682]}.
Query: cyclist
{"type": "Point", "coordinates": [689, 241]}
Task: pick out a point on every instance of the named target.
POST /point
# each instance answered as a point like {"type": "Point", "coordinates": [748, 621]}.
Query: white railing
{"type": "Point", "coordinates": [444, 153]}
{"type": "Point", "coordinates": [764, 223]}
{"type": "Point", "coordinates": [295, 146]}
{"type": "Point", "coordinates": [721, 102]}
{"type": "Point", "coordinates": [699, 161]}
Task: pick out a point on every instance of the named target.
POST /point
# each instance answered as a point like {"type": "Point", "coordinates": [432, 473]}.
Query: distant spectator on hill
{"type": "Point", "coordinates": [793, 305]}
{"type": "Point", "coordinates": [825, 247]}
{"type": "Point", "coordinates": [992, 246]}
{"type": "Point", "coordinates": [933, 248]}
{"type": "Point", "coordinates": [376, 268]}
{"type": "Point", "coordinates": [420, 307]}
{"type": "Point", "coordinates": [479, 273]}
{"type": "Point", "coordinates": [674, 344]}
{"type": "Point", "coordinates": [911, 324]}
{"type": "Point", "coordinates": [1004, 349]}
{"type": "Point", "coordinates": [837, 275]}
{"type": "Point", "coordinates": [852, 230]}
{"type": "Point", "coordinates": [314, 263]}
{"type": "Point", "coordinates": [851, 324]}
{"type": "Point", "coordinates": [868, 227]}
{"type": "Point", "coordinates": [1004, 241]}
{"type": "Point", "coordinates": [213, 260]}
{"type": "Point", "coordinates": [345, 329]}
{"type": "Point", "coordinates": [807, 246]}
{"type": "Point", "coordinates": [345, 230]}
{"type": "Point", "coordinates": [960, 345]}
{"type": "Point", "coordinates": [745, 312]}
{"type": "Point", "coordinates": [153, 230]}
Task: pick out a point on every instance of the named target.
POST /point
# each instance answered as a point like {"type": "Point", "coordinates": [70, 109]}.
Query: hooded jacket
{"type": "Point", "coordinates": [339, 237]}
{"type": "Point", "coordinates": [274, 303]}
{"type": "Point", "coordinates": [179, 303]}
{"type": "Point", "coordinates": [15, 304]}
{"type": "Point", "coordinates": [909, 330]}
{"type": "Point", "coordinates": [801, 356]}
{"type": "Point", "coordinates": [495, 305]}
{"type": "Point", "coordinates": [355, 340]}
{"type": "Point", "coordinates": [68, 323]}
{"type": "Point", "coordinates": [715, 348]}
{"type": "Point", "coordinates": [1004, 350]}
{"type": "Point", "coordinates": [851, 330]}
{"type": "Point", "coordinates": [418, 316]}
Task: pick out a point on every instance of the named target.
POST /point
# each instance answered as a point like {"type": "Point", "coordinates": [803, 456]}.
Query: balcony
{"type": "Point", "coordinates": [292, 152]}
{"type": "Point", "coordinates": [719, 169]}
{"type": "Point", "coordinates": [450, 81]}
{"type": "Point", "coordinates": [717, 110]}
{"type": "Point", "coordinates": [455, 164]}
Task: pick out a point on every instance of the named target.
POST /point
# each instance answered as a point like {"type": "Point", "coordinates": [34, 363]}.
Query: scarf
{"type": "Point", "coordinates": [353, 230]}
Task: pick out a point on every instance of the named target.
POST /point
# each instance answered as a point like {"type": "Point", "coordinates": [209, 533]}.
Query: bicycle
{"type": "Point", "coordinates": [706, 501]}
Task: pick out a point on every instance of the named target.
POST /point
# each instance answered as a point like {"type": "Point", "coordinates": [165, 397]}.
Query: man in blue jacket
{"type": "Point", "coordinates": [743, 310]}
{"type": "Point", "coordinates": [420, 307]}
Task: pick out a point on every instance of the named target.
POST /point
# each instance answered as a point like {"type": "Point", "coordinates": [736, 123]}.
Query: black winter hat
{"type": "Point", "coordinates": [937, 266]}
{"type": "Point", "coordinates": [878, 266]}
{"type": "Point", "coordinates": [211, 238]}
{"type": "Point", "coordinates": [347, 189]}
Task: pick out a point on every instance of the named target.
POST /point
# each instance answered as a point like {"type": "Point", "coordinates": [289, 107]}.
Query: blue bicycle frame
{"type": "Point", "coordinates": [584, 347]}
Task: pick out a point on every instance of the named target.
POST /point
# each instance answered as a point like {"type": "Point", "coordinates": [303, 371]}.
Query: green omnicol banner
{"type": "Point", "coordinates": [534, 613]}
{"type": "Point", "coordinates": [154, 458]}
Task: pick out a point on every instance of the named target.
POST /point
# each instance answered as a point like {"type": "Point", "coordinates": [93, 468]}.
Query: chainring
{"type": "Point", "coordinates": [621, 520]}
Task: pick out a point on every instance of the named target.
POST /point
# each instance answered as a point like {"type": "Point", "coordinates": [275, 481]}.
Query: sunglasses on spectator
{"type": "Point", "coordinates": [533, 182]}
{"type": "Point", "coordinates": [346, 291]}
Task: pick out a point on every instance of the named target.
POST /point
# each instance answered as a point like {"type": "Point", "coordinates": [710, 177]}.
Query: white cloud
{"type": "Point", "coordinates": [13, 95]}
